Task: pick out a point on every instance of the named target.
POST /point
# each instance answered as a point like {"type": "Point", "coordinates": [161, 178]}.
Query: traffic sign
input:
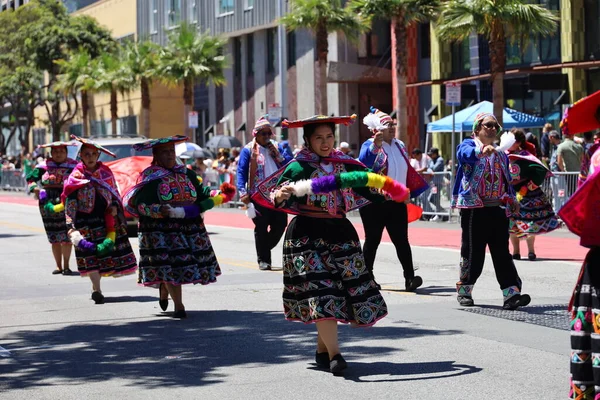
{"type": "Point", "coordinates": [453, 94]}
{"type": "Point", "coordinates": [274, 111]}
{"type": "Point", "coordinates": [193, 119]}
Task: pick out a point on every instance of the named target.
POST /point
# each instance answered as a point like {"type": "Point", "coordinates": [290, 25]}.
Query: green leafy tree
{"type": "Point", "coordinates": [47, 33]}
{"type": "Point", "coordinates": [142, 59]}
{"type": "Point", "coordinates": [191, 57]}
{"type": "Point", "coordinates": [322, 17]}
{"type": "Point", "coordinates": [77, 75]}
{"type": "Point", "coordinates": [498, 21]}
{"type": "Point", "coordinates": [402, 14]}
{"type": "Point", "coordinates": [111, 74]}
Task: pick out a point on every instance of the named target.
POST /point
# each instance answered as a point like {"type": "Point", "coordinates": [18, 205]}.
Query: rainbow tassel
{"type": "Point", "coordinates": [327, 184]}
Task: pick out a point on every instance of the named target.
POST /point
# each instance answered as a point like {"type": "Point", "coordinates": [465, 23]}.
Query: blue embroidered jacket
{"type": "Point", "coordinates": [243, 168]}
{"type": "Point", "coordinates": [470, 175]}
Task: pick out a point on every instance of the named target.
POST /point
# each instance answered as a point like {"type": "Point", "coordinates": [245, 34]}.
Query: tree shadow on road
{"type": "Point", "coordinates": [165, 352]}
{"type": "Point", "coordinates": [13, 235]}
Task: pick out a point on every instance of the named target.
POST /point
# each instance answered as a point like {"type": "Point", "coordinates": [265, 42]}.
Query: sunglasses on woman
{"type": "Point", "coordinates": [491, 125]}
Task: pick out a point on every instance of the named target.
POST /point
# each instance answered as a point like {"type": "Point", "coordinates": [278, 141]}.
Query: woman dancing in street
{"type": "Point", "coordinates": [174, 246]}
{"type": "Point", "coordinates": [324, 273]}
{"type": "Point", "coordinates": [535, 215]}
{"type": "Point", "coordinates": [46, 182]}
{"type": "Point", "coordinates": [94, 214]}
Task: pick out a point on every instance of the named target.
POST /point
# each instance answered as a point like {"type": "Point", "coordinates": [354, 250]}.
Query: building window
{"type": "Point", "coordinates": [461, 58]}
{"type": "Point", "coordinates": [271, 49]}
{"type": "Point", "coordinates": [192, 11]}
{"type": "Point", "coordinates": [237, 57]}
{"type": "Point", "coordinates": [225, 6]}
{"type": "Point", "coordinates": [250, 53]}
{"type": "Point", "coordinates": [248, 4]}
{"type": "Point", "coordinates": [76, 129]}
{"type": "Point", "coordinates": [592, 29]}
{"type": "Point", "coordinates": [173, 12]}
{"type": "Point", "coordinates": [128, 126]}
{"type": "Point", "coordinates": [153, 16]}
{"type": "Point", "coordinates": [291, 49]}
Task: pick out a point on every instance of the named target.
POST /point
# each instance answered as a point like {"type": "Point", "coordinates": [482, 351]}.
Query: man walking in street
{"type": "Point", "coordinates": [260, 159]}
{"type": "Point", "coordinates": [436, 165]}
{"type": "Point", "coordinates": [385, 154]}
{"type": "Point", "coordinates": [568, 157]}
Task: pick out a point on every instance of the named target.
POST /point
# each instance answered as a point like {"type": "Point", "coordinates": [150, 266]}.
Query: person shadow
{"type": "Point", "coordinates": [383, 371]}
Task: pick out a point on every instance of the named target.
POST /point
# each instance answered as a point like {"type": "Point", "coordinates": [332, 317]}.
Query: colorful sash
{"type": "Point", "coordinates": [257, 161]}
{"type": "Point", "coordinates": [351, 199]}
{"type": "Point", "coordinates": [152, 173]}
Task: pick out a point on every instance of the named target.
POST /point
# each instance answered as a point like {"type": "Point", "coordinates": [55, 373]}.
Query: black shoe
{"type": "Point", "coordinates": [531, 256]}
{"type": "Point", "coordinates": [163, 303]}
{"type": "Point", "coordinates": [263, 266]}
{"type": "Point", "coordinates": [322, 359]}
{"type": "Point", "coordinates": [412, 284]}
{"type": "Point", "coordinates": [516, 256]}
{"type": "Point", "coordinates": [98, 298]}
{"type": "Point", "coordinates": [337, 364]}
{"type": "Point", "coordinates": [67, 271]}
{"type": "Point", "coordinates": [518, 300]}
{"type": "Point", "coordinates": [180, 314]}
{"type": "Point", "coordinates": [57, 272]}
{"type": "Point", "coordinates": [465, 301]}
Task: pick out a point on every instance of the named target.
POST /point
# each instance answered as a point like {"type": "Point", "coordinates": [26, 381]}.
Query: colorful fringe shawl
{"type": "Point", "coordinates": [326, 184]}
{"type": "Point", "coordinates": [107, 245]}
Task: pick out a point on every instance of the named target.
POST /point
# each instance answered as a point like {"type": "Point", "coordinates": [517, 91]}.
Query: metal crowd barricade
{"type": "Point", "coordinates": [560, 187]}
{"type": "Point", "coordinates": [12, 180]}
{"type": "Point", "coordinates": [435, 201]}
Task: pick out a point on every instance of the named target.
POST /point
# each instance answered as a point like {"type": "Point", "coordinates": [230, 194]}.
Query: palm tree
{"type": "Point", "coordinates": [498, 21]}
{"type": "Point", "coordinates": [402, 14]}
{"type": "Point", "coordinates": [112, 74]}
{"type": "Point", "coordinates": [190, 57]}
{"type": "Point", "coordinates": [142, 58]}
{"type": "Point", "coordinates": [76, 75]}
{"type": "Point", "coordinates": [322, 17]}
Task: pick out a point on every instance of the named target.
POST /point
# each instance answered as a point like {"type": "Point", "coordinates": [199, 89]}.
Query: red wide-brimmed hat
{"type": "Point", "coordinates": [55, 144]}
{"type": "Point", "coordinates": [319, 119]}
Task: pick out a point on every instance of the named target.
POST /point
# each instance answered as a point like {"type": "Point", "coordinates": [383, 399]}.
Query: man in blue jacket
{"type": "Point", "coordinates": [387, 155]}
{"type": "Point", "coordinates": [259, 159]}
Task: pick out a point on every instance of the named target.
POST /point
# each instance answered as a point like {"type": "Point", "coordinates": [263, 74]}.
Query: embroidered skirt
{"type": "Point", "coordinates": [325, 276]}
{"type": "Point", "coordinates": [585, 331]}
{"type": "Point", "coordinates": [535, 217]}
{"type": "Point", "coordinates": [55, 224]}
{"type": "Point", "coordinates": [176, 251]}
{"type": "Point", "coordinates": [121, 261]}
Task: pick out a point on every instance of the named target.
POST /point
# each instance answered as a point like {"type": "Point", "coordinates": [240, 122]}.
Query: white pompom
{"type": "Point", "coordinates": [251, 211]}
{"type": "Point", "coordinates": [177, 212]}
{"type": "Point", "coordinates": [373, 122]}
{"type": "Point", "coordinates": [303, 187]}
{"type": "Point", "coordinates": [75, 237]}
{"type": "Point", "coordinates": [506, 141]}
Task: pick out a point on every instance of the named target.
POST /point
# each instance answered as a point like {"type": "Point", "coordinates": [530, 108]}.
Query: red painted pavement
{"type": "Point", "coordinates": [547, 247]}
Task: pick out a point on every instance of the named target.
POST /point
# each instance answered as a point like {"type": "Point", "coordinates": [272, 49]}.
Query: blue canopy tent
{"type": "Point", "coordinates": [463, 119]}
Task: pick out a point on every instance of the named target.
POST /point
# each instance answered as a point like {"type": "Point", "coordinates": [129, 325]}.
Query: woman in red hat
{"type": "Point", "coordinates": [325, 276]}
{"type": "Point", "coordinates": [97, 225]}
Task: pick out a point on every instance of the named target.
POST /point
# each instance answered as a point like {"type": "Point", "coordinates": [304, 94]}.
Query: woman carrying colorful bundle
{"type": "Point", "coordinates": [535, 215]}
{"type": "Point", "coordinates": [174, 246]}
{"type": "Point", "coordinates": [95, 218]}
{"type": "Point", "coordinates": [46, 182]}
{"type": "Point", "coordinates": [324, 273]}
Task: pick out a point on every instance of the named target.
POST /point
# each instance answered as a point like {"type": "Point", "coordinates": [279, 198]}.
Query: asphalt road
{"type": "Point", "coordinates": [235, 344]}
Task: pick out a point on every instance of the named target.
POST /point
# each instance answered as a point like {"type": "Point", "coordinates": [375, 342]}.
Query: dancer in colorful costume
{"type": "Point", "coordinates": [388, 156]}
{"type": "Point", "coordinates": [535, 215]}
{"type": "Point", "coordinates": [95, 218]}
{"type": "Point", "coordinates": [174, 246]}
{"type": "Point", "coordinates": [580, 215]}
{"type": "Point", "coordinates": [46, 183]}
{"type": "Point", "coordinates": [482, 191]}
{"type": "Point", "coordinates": [261, 158]}
{"type": "Point", "coordinates": [324, 273]}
